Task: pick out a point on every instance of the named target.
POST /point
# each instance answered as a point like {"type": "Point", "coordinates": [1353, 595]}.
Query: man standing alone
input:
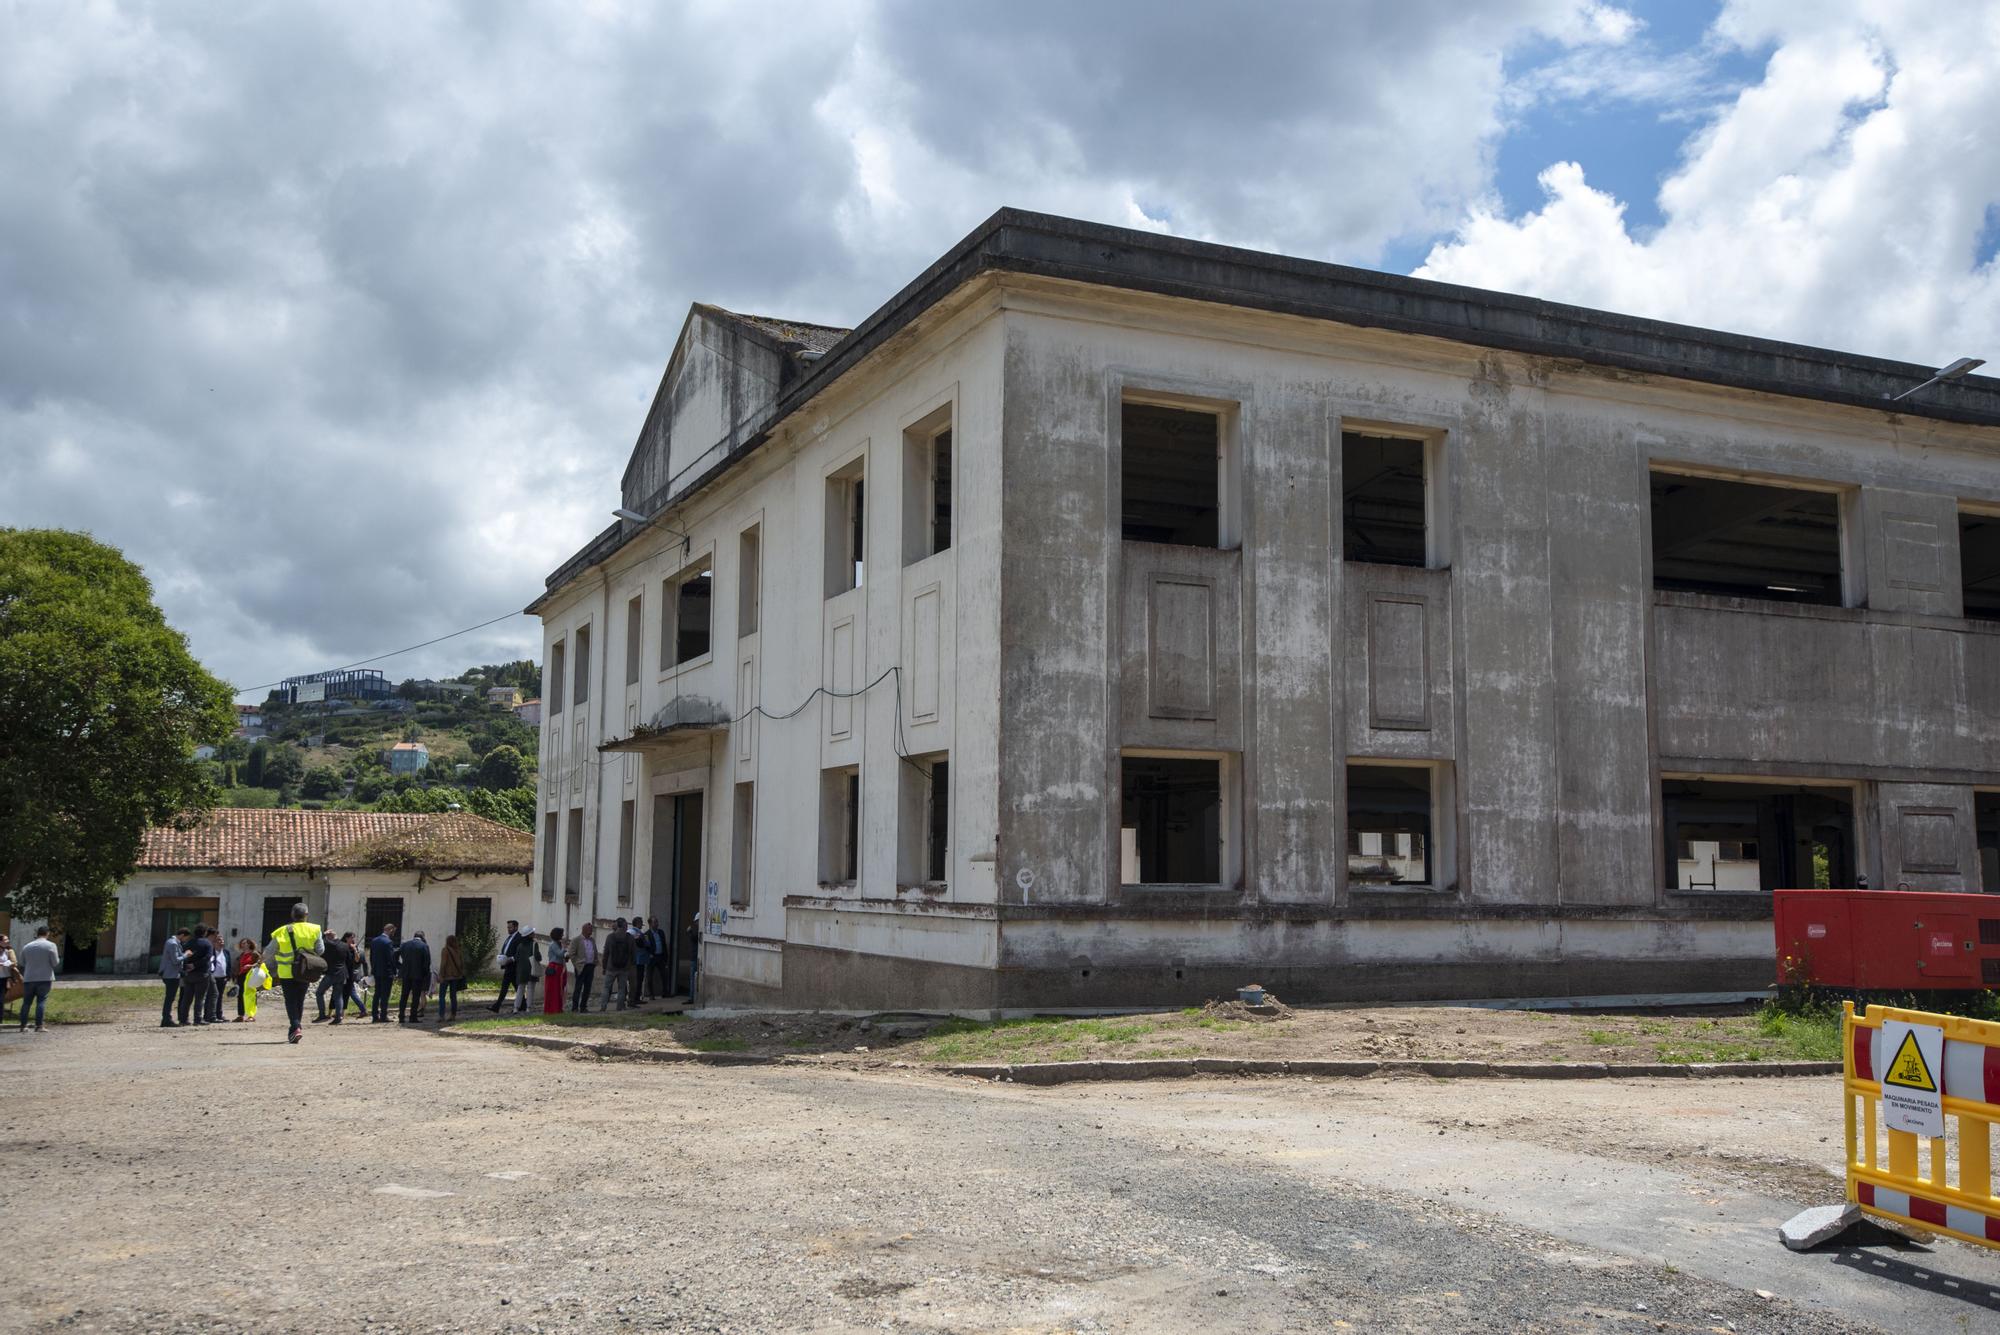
{"type": "Point", "coordinates": [507, 978]}
{"type": "Point", "coordinates": [382, 963]}
{"type": "Point", "coordinates": [39, 960]}
{"type": "Point", "coordinates": [285, 954]}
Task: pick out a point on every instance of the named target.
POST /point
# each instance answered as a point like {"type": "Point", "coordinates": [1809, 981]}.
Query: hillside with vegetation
{"type": "Point", "coordinates": [334, 755]}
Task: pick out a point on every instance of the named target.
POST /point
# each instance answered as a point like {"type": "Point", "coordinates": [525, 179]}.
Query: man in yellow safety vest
{"type": "Point", "coordinates": [282, 954]}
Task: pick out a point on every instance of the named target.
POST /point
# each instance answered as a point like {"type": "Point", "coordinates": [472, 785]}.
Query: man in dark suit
{"type": "Point", "coordinates": [382, 963]}
{"type": "Point", "coordinates": [414, 964]}
{"type": "Point", "coordinates": [340, 967]}
{"type": "Point", "coordinates": [507, 978]}
{"type": "Point", "coordinates": [195, 964]}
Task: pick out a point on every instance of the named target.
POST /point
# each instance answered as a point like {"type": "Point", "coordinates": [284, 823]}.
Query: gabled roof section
{"type": "Point", "coordinates": [1041, 245]}
{"type": "Point", "coordinates": [245, 839]}
{"type": "Point", "coordinates": [809, 340]}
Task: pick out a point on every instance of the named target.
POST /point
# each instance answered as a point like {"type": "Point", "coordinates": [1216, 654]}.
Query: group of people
{"type": "Point", "coordinates": [35, 969]}
{"type": "Point", "coordinates": [197, 970]}
{"type": "Point", "coordinates": [633, 956]}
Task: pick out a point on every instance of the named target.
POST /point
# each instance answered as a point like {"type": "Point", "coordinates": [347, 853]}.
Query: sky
{"type": "Point", "coordinates": [341, 318]}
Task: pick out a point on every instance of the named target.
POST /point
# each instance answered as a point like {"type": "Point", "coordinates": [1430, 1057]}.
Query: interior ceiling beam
{"type": "Point", "coordinates": [1699, 511]}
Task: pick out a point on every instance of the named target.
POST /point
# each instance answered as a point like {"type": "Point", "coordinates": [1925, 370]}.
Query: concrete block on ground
{"type": "Point", "coordinates": [1335, 1068]}
{"type": "Point", "coordinates": [1809, 1228]}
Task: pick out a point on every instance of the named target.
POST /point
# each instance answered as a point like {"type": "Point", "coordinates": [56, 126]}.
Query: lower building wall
{"type": "Point", "coordinates": [1111, 962]}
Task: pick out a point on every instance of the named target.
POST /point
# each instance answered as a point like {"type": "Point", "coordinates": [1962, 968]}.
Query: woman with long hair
{"type": "Point", "coordinates": [451, 978]}
{"type": "Point", "coordinates": [246, 1001]}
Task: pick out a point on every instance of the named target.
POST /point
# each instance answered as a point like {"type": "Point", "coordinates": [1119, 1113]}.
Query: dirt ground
{"type": "Point", "coordinates": [1433, 1033]}
{"type": "Point", "coordinates": [391, 1179]}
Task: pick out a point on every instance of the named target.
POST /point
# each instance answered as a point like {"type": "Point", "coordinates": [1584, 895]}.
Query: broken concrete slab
{"type": "Point", "coordinates": [1809, 1228]}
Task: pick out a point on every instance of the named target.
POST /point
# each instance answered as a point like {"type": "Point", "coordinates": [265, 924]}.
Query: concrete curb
{"type": "Point", "coordinates": [1181, 1068]}
{"type": "Point", "coordinates": [1063, 1073]}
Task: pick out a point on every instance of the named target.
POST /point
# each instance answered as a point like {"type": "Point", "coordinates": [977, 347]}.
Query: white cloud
{"type": "Point", "coordinates": [1836, 202]}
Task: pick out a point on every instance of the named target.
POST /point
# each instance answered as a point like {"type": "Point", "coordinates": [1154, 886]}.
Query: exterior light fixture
{"type": "Point", "coordinates": [1955, 371]}
{"type": "Point", "coordinates": [634, 517]}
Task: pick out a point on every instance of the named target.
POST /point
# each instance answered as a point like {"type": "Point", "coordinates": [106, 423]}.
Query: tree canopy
{"type": "Point", "coordinates": [503, 767]}
{"type": "Point", "coordinates": [101, 707]}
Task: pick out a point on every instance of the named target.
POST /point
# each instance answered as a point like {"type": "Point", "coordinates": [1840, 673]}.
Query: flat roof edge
{"type": "Point", "coordinates": [1048, 246]}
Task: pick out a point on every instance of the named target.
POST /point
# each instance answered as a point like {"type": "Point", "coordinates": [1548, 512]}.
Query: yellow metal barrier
{"type": "Point", "coordinates": [1923, 1078]}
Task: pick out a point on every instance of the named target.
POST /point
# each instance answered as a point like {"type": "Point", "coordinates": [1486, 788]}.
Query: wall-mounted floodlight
{"type": "Point", "coordinates": [1955, 371]}
{"type": "Point", "coordinates": [634, 517]}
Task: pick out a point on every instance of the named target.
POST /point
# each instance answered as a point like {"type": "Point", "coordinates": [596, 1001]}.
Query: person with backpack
{"type": "Point", "coordinates": [413, 963]}
{"type": "Point", "coordinates": [294, 960]}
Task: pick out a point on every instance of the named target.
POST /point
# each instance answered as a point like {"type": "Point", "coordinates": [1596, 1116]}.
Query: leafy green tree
{"type": "Point", "coordinates": [502, 768]}
{"type": "Point", "coordinates": [321, 781]}
{"type": "Point", "coordinates": [284, 767]}
{"type": "Point", "coordinates": [101, 707]}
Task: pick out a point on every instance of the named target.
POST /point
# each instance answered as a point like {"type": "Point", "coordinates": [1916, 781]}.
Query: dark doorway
{"type": "Point", "coordinates": [1171, 822]}
{"type": "Point", "coordinates": [172, 914]}
{"type": "Point", "coordinates": [1986, 821]}
{"type": "Point", "coordinates": [277, 912]}
{"type": "Point", "coordinates": [79, 953]}
{"type": "Point", "coordinates": [473, 909]}
{"type": "Point", "coordinates": [380, 913]}
{"type": "Point", "coordinates": [676, 891]}
{"type": "Point", "coordinates": [1753, 838]}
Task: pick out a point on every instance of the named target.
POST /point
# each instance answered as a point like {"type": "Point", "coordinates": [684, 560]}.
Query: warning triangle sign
{"type": "Point", "coordinates": [1908, 1069]}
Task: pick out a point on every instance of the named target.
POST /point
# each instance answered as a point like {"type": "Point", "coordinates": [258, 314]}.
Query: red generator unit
{"type": "Point", "coordinates": [1887, 940]}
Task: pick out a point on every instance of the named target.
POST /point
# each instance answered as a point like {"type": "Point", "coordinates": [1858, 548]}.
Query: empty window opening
{"type": "Point", "coordinates": [1389, 824]}
{"type": "Point", "coordinates": [749, 579]}
{"type": "Point", "coordinates": [693, 604]}
{"type": "Point", "coordinates": [840, 826]}
{"type": "Point", "coordinates": [924, 821]}
{"type": "Point", "coordinates": [628, 817]}
{"type": "Point", "coordinates": [1171, 466]}
{"type": "Point", "coordinates": [846, 529]}
{"type": "Point", "coordinates": [927, 488]}
{"type": "Point", "coordinates": [549, 850]}
{"type": "Point", "coordinates": [573, 857]}
{"type": "Point", "coordinates": [1171, 822]}
{"type": "Point", "coordinates": [635, 621]}
{"type": "Point", "coordinates": [1986, 826]}
{"type": "Point", "coordinates": [1728, 836]}
{"type": "Point", "coordinates": [377, 914]}
{"type": "Point", "coordinates": [1746, 539]}
{"type": "Point", "coordinates": [473, 910]}
{"type": "Point", "coordinates": [581, 671]}
{"type": "Point", "coordinates": [743, 845]}
{"type": "Point", "coordinates": [1979, 563]}
{"type": "Point", "coordinates": [553, 690]}
{"type": "Point", "coordinates": [1384, 500]}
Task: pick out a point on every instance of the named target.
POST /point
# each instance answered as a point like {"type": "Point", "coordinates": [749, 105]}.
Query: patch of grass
{"type": "Point", "coordinates": [1608, 1038]}
{"type": "Point", "coordinates": [720, 1045]}
{"type": "Point", "coordinates": [1044, 1037]}
{"type": "Point", "coordinates": [97, 1005]}
{"type": "Point", "coordinates": [1710, 1051]}
{"type": "Point", "coordinates": [1809, 1036]}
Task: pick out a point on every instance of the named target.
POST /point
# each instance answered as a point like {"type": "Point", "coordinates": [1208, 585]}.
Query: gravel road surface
{"type": "Point", "coordinates": [222, 1180]}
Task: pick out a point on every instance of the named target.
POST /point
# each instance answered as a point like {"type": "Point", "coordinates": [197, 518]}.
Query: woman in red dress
{"type": "Point", "coordinates": [553, 973]}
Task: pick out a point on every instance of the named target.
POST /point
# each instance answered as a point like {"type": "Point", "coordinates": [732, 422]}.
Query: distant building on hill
{"type": "Point", "coordinates": [249, 722]}
{"type": "Point", "coordinates": [505, 696]}
{"type": "Point", "coordinates": [529, 712]}
{"type": "Point", "coordinates": [346, 684]}
{"type": "Point", "coordinates": [409, 758]}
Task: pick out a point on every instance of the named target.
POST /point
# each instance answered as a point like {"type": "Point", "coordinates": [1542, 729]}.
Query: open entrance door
{"type": "Point", "coordinates": [676, 891]}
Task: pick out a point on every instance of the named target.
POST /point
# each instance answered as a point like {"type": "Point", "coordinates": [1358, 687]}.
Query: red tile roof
{"type": "Point", "coordinates": [239, 838]}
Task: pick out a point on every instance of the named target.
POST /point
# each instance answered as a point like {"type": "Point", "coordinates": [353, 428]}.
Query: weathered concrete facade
{"type": "Point", "coordinates": [1534, 751]}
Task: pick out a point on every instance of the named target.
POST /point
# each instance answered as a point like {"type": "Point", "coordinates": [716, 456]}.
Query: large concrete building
{"type": "Point", "coordinates": [1115, 619]}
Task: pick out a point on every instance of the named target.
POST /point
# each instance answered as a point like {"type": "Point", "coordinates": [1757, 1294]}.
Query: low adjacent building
{"type": "Point", "coordinates": [408, 758]}
{"type": "Point", "coordinates": [242, 870]}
